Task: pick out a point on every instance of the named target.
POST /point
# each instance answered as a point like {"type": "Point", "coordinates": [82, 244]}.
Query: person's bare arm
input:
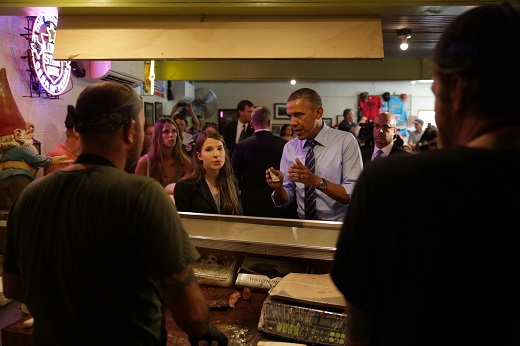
{"type": "Point", "coordinates": [194, 119]}
{"type": "Point", "coordinates": [170, 188]}
{"type": "Point", "coordinates": [13, 286]}
{"type": "Point", "coordinates": [355, 129]}
{"type": "Point", "coordinates": [334, 191]}
{"type": "Point", "coordinates": [141, 167]}
{"type": "Point", "coordinates": [357, 327]}
{"type": "Point", "coordinates": [174, 110]}
{"type": "Point", "coordinates": [183, 296]}
{"type": "Point", "coordinates": [61, 160]}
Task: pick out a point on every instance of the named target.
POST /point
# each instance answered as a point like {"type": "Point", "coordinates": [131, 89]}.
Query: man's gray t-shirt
{"type": "Point", "coordinates": [88, 245]}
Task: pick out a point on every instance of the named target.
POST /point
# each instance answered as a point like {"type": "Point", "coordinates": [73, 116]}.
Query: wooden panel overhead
{"type": "Point", "coordinates": [217, 37]}
{"type": "Point", "coordinates": [426, 18]}
{"type": "Point", "coordinates": [265, 70]}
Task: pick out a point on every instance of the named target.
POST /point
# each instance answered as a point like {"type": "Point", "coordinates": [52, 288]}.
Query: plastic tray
{"type": "Point", "coordinates": [215, 267]}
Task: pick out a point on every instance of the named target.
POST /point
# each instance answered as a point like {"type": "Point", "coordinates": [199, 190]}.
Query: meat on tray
{"type": "Point", "coordinates": [246, 293]}
{"type": "Point", "coordinates": [221, 298]}
{"type": "Point", "coordinates": [217, 297]}
{"type": "Point", "coordinates": [233, 298]}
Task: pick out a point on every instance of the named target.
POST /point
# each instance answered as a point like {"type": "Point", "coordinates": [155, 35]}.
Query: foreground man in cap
{"type": "Point", "coordinates": [93, 250]}
{"type": "Point", "coordinates": [453, 280]}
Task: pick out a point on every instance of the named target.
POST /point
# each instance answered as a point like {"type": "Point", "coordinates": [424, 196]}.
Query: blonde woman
{"type": "Point", "coordinates": [211, 186]}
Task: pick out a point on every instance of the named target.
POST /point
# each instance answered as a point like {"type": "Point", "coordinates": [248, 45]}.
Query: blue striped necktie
{"type": "Point", "coordinates": [378, 155]}
{"type": "Point", "coordinates": [310, 191]}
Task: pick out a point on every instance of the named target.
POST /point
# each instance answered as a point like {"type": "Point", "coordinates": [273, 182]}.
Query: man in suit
{"type": "Point", "coordinates": [385, 130]}
{"type": "Point", "coordinates": [251, 158]}
{"type": "Point", "coordinates": [233, 131]}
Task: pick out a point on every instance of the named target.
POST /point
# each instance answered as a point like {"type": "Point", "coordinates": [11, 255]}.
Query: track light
{"type": "Point", "coordinates": [404, 43]}
{"type": "Point", "coordinates": [404, 35]}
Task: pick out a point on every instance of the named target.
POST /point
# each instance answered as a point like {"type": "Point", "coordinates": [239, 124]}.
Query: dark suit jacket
{"type": "Point", "coordinates": [251, 158]}
{"type": "Point", "coordinates": [230, 134]}
{"type": "Point", "coordinates": [194, 197]}
{"type": "Point", "coordinates": [366, 154]}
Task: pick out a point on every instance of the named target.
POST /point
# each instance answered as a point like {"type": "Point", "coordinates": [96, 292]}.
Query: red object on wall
{"type": "Point", "coordinates": [10, 116]}
{"type": "Point", "coordinates": [370, 108]}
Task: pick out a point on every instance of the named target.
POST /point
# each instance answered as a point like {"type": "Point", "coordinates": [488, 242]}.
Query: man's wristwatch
{"type": "Point", "coordinates": [323, 185]}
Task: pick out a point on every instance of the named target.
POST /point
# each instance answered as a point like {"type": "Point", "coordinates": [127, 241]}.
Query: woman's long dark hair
{"type": "Point", "coordinates": [282, 131]}
{"type": "Point", "coordinates": [229, 202]}
{"type": "Point", "coordinates": [156, 146]}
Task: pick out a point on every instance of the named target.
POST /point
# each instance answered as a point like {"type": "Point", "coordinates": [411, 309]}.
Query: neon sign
{"type": "Point", "coordinates": [53, 75]}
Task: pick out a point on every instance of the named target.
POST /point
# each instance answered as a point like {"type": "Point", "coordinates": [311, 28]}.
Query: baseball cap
{"type": "Point", "coordinates": [418, 121]}
{"type": "Point", "coordinates": [479, 39]}
{"type": "Point", "coordinates": [106, 106]}
{"type": "Point", "coordinates": [478, 45]}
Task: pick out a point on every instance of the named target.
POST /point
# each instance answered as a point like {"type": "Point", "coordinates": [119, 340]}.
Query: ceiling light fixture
{"type": "Point", "coordinates": [404, 35]}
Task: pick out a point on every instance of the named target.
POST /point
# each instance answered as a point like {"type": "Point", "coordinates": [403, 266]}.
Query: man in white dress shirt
{"type": "Point", "coordinates": [337, 157]}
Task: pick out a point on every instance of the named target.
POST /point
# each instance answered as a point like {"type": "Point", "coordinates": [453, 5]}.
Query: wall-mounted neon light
{"type": "Point", "coordinates": [54, 76]}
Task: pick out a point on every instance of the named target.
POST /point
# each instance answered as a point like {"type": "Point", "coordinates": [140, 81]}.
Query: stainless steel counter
{"type": "Point", "coordinates": [266, 236]}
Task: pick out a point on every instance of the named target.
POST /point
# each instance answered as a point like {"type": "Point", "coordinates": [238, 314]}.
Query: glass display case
{"type": "Point", "coordinates": [296, 238]}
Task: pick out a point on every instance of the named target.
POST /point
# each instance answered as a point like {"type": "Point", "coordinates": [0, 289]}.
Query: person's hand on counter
{"type": "Point", "coordinates": [213, 334]}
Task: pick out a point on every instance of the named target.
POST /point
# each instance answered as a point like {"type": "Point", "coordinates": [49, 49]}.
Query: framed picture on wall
{"type": "Point", "coordinates": [328, 121]}
{"type": "Point", "coordinates": [276, 128]}
{"type": "Point", "coordinates": [280, 111]}
{"type": "Point", "coordinates": [148, 113]}
{"type": "Point", "coordinates": [339, 118]}
{"type": "Point", "coordinates": [158, 110]}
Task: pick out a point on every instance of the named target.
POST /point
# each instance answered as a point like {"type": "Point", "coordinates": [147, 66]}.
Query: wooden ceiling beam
{"type": "Point", "coordinates": [217, 37]}
{"type": "Point", "coordinates": [311, 70]}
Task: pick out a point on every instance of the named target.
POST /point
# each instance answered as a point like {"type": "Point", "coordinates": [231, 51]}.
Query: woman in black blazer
{"type": "Point", "coordinates": [211, 187]}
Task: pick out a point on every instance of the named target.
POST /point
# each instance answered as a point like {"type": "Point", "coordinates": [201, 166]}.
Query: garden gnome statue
{"type": "Point", "coordinates": [18, 163]}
